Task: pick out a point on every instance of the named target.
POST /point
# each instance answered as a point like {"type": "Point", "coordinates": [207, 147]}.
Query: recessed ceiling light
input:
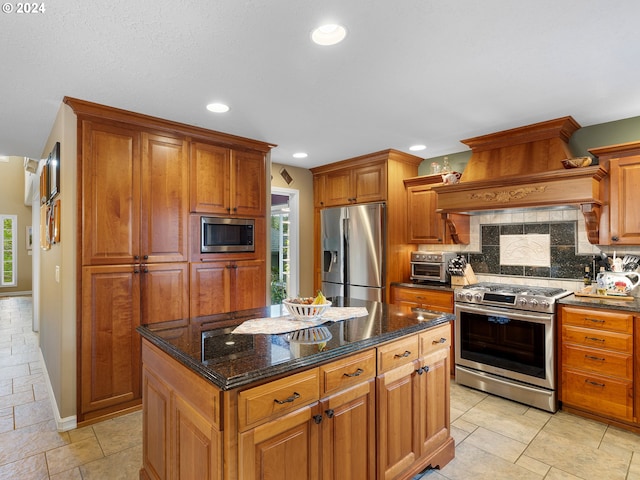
{"type": "Point", "coordinates": [218, 107]}
{"type": "Point", "coordinates": [417, 148]}
{"type": "Point", "coordinates": [300, 155]}
{"type": "Point", "coordinates": [329, 34]}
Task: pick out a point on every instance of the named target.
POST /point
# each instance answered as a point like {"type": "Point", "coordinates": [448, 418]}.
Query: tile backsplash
{"type": "Point", "coordinates": [555, 253]}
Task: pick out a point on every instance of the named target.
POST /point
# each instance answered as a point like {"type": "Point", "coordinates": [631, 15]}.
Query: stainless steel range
{"type": "Point", "coordinates": [505, 341]}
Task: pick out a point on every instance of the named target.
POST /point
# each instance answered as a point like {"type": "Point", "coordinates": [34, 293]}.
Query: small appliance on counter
{"type": "Point", "coordinates": [430, 267]}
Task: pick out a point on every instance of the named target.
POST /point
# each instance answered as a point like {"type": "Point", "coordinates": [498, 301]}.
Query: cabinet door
{"type": "Point", "coordinates": [433, 399]}
{"type": "Point", "coordinates": [423, 223]}
{"type": "Point", "coordinates": [110, 194]}
{"type": "Point", "coordinates": [370, 183]}
{"type": "Point", "coordinates": [624, 214]}
{"type": "Point", "coordinates": [165, 195]}
{"type": "Point", "coordinates": [197, 445]}
{"type": "Point", "coordinates": [337, 188]}
{"type": "Point", "coordinates": [398, 428]}
{"type": "Point", "coordinates": [210, 288]}
{"type": "Point", "coordinates": [348, 434]}
{"type": "Point", "coordinates": [285, 448]}
{"type": "Point", "coordinates": [247, 183]}
{"type": "Point", "coordinates": [165, 292]}
{"type": "Point", "coordinates": [209, 178]}
{"type": "Point", "coordinates": [110, 345]}
{"type": "Point", "coordinates": [156, 409]}
{"type": "Point", "coordinates": [248, 284]}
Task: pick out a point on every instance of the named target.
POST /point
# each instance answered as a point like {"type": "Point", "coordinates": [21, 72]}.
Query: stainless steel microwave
{"type": "Point", "coordinates": [220, 235]}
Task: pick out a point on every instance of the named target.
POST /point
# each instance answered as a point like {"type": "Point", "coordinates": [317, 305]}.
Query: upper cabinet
{"type": "Point", "coordinates": [620, 224]}
{"type": "Point", "coordinates": [424, 224]}
{"type": "Point", "coordinates": [135, 193]}
{"type": "Point", "coordinates": [227, 181]}
{"type": "Point", "coordinates": [359, 184]}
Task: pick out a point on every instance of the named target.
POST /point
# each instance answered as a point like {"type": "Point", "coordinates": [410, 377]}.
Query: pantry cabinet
{"type": "Point", "coordinates": [424, 224]}
{"type": "Point", "coordinates": [597, 362]}
{"type": "Point", "coordinates": [227, 181]}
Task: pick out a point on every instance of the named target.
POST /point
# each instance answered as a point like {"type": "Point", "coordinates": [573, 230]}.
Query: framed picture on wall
{"type": "Point", "coordinates": [53, 166]}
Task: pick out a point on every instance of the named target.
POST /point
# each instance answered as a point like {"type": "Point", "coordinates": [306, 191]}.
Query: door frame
{"type": "Point", "coordinates": [294, 236]}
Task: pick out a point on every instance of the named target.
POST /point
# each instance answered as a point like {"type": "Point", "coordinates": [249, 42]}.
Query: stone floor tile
{"type": "Point", "coordinates": [80, 434]}
{"type": "Point", "coordinates": [28, 441]}
{"type": "Point", "coordinates": [31, 413]}
{"type": "Point", "coordinates": [124, 465]}
{"type": "Point", "coordinates": [622, 439]}
{"type": "Point", "coordinates": [496, 444]}
{"type": "Point", "coordinates": [10, 372]}
{"type": "Point", "coordinates": [555, 474]}
{"type": "Point", "coordinates": [73, 455]}
{"type": "Point", "coordinates": [73, 474]}
{"type": "Point", "coordinates": [30, 468]}
{"type": "Point", "coordinates": [582, 460]}
{"type": "Point", "coordinates": [19, 398]}
{"type": "Point", "coordinates": [119, 433]}
{"type": "Point", "coordinates": [533, 465]}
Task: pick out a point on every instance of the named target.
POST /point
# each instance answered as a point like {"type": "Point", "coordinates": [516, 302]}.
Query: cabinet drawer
{"type": "Point", "coordinates": [267, 401]}
{"type": "Point", "coordinates": [435, 338]}
{"type": "Point", "coordinates": [346, 372]}
{"type": "Point", "coordinates": [441, 301]}
{"type": "Point", "coordinates": [598, 394]}
{"type": "Point", "coordinates": [599, 361]}
{"type": "Point", "coordinates": [590, 337]}
{"type": "Point", "coordinates": [397, 353]}
{"type": "Point", "coordinates": [600, 319]}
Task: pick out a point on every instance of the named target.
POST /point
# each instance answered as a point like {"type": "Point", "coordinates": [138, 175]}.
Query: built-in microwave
{"type": "Point", "coordinates": [220, 235]}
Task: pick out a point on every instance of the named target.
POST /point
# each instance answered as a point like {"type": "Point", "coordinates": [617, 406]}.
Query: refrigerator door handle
{"type": "Point", "coordinates": [330, 259]}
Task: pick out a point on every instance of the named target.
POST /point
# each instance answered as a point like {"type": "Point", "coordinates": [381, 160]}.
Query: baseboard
{"type": "Point", "coordinates": [16, 294]}
{"type": "Point", "coordinates": [62, 424]}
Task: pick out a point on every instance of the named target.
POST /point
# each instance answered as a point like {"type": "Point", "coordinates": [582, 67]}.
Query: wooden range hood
{"type": "Point", "coordinates": [522, 168]}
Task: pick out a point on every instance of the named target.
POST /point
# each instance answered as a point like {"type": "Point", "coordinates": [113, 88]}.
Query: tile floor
{"type": "Point", "coordinates": [495, 439]}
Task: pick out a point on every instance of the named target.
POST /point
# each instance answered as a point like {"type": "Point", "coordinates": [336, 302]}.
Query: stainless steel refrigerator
{"type": "Point", "coordinates": [353, 251]}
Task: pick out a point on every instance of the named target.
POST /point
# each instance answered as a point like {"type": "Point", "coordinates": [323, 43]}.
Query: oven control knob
{"type": "Point", "coordinates": [478, 297]}
{"type": "Point", "coordinates": [469, 296]}
{"type": "Point", "coordinates": [545, 304]}
{"type": "Point", "coordinates": [522, 302]}
{"type": "Point", "coordinates": [533, 302]}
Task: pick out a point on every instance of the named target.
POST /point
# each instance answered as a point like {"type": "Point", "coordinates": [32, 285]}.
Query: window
{"type": "Point", "coordinates": [8, 250]}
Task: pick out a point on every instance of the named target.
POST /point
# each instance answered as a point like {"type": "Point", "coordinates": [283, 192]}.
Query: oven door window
{"type": "Point", "coordinates": [502, 342]}
{"type": "Point", "coordinates": [427, 270]}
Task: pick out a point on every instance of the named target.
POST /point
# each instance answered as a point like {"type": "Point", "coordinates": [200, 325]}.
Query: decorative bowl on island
{"type": "Point", "coordinates": [305, 311]}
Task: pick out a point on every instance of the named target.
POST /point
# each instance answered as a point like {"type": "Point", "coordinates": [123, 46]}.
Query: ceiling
{"type": "Point", "coordinates": [409, 71]}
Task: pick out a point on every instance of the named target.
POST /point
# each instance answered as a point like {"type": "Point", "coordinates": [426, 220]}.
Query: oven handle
{"type": "Point", "coordinates": [513, 315]}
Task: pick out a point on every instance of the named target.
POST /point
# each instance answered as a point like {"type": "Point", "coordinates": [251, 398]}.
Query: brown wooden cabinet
{"type": "Point", "coordinates": [226, 181]}
{"type": "Point", "coordinates": [424, 224]}
{"type": "Point", "coordinates": [413, 404]}
{"type": "Point", "coordinates": [376, 177]}
{"type": "Point", "coordinates": [227, 286]}
{"type": "Point", "coordinates": [181, 434]}
{"type": "Point", "coordinates": [597, 362]}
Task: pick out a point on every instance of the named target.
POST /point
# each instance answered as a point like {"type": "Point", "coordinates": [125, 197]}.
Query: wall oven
{"type": "Point", "coordinates": [505, 341]}
{"type": "Point", "coordinates": [220, 235]}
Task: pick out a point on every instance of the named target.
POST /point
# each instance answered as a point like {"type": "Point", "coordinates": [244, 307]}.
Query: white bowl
{"type": "Point", "coordinates": [306, 312]}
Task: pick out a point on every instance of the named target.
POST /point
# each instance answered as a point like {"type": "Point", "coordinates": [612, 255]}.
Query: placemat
{"type": "Point", "coordinates": [289, 323]}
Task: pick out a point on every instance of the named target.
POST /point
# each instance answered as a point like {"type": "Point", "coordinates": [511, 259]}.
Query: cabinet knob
{"type": "Point", "coordinates": [317, 419]}
{"type": "Point", "coordinates": [615, 238]}
{"type": "Point", "coordinates": [135, 270]}
{"type": "Point", "coordinates": [146, 257]}
{"type": "Point", "coordinates": [329, 413]}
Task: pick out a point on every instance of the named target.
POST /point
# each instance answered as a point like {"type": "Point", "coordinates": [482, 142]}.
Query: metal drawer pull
{"type": "Point", "coordinates": [594, 339]}
{"type": "Point", "coordinates": [594, 320]}
{"type": "Point", "coordinates": [442, 340]}
{"type": "Point", "coordinates": [591, 357]}
{"type": "Point", "coordinates": [293, 397]}
{"type": "Point", "coordinates": [595, 384]}
{"type": "Point", "coordinates": [357, 373]}
{"type": "Point", "coordinates": [404, 355]}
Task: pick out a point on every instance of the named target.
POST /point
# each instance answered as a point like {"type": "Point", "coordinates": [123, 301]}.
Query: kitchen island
{"type": "Point", "coordinates": [367, 397]}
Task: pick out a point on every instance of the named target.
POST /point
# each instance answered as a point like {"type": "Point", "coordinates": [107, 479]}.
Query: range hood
{"type": "Point", "coordinates": [522, 168]}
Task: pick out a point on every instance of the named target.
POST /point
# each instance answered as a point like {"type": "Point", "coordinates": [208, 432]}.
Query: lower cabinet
{"type": "Point", "coordinates": [181, 422]}
{"type": "Point", "coordinates": [413, 404]}
{"type": "Point", "coordinates": [346, 419]}
{"type": "Point", "coordinates": [597, 362]}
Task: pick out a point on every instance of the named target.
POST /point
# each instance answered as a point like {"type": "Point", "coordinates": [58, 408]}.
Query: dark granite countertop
{"type": "Point", "coordinates": [425, 286]}
{"type": "Point", "coordinates": [207, 347]}
{"type": "Point", "coordinates": [632, 306]}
